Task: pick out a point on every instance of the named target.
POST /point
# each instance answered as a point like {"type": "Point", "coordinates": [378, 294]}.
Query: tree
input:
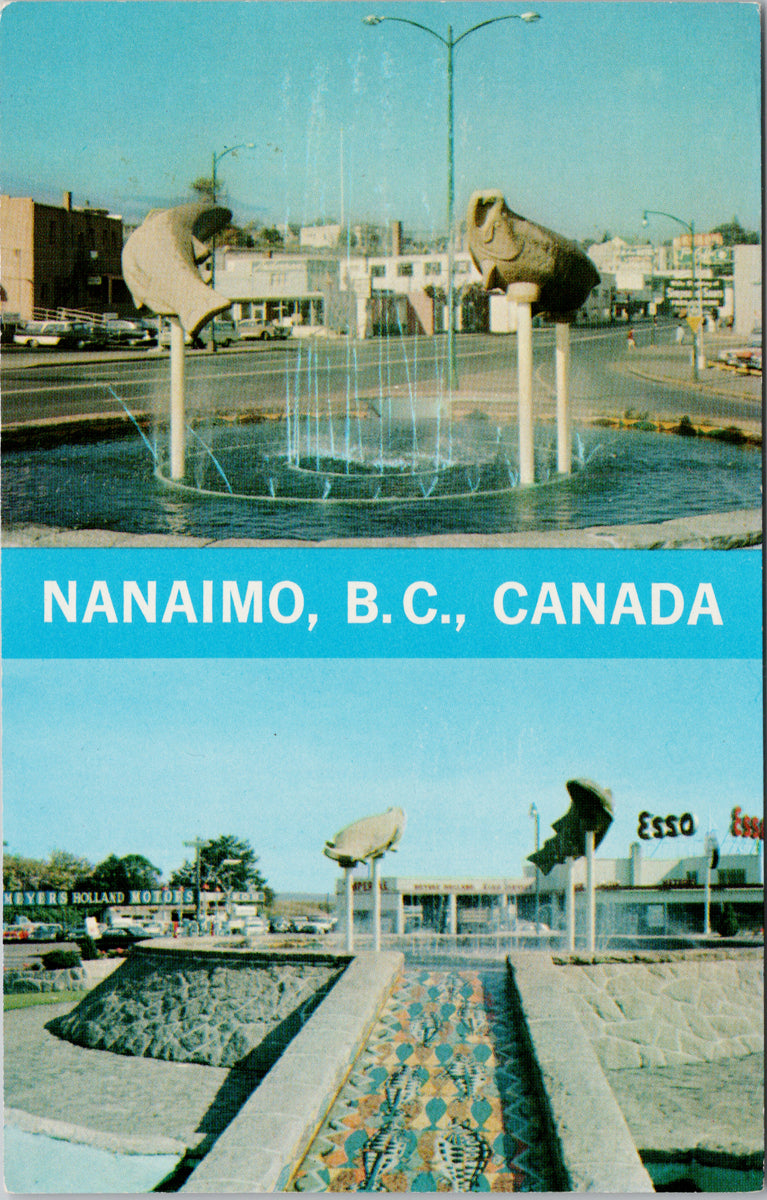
{"type": "Point", "coordinates": [733, 234]}
{"type": "Point", "coordinates": [64, 869]}
{"type": "Point", "coordinates": [60, 872]}
{"type": "Point", "coordinates": [22, 874]}
{"type": "Point", "coordinates": [132, 872]}
{"type": "Point", "coordinates": [203, 187]}
{"type": "Point", "coordinates": [242, 876]}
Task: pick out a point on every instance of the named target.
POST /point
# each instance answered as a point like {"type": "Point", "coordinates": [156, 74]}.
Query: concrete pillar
{"type": "Point", "coordinates": [177, 430]}
{"type": "Point", "coordinates": [525, 295]}
{"type": "Point", "coordinates": [349, 881]}
{"type": "Point", "coordinates": [564, 435]}
{"type": "Point", "coordinates": [377, 904]}
{"type": "Point", "coordinates": [400, 914]}
{"type": "Point", "coordinates": [570, 903]}
{"type": "Point", "coordinates": [591, 911]}
{"type": "Point", "coordinates": [452, 914]}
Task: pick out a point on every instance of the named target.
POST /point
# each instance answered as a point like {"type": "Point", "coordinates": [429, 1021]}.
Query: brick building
{"type": "Point", "coordinates": [59, 257]}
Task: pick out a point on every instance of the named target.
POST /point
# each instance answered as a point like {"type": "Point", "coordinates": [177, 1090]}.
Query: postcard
{"type": "Point", "coordinates": [382, 596]}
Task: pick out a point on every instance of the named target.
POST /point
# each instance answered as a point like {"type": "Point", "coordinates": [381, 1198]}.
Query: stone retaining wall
{"type": "Point", "coordinates": [670, 1008]}
{"type": "Point", "coordinates": [73, 979]}
{"type": "Point", "coordinates": [218, 1008]}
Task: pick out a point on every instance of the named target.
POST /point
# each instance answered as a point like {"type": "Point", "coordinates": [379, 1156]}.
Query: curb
{"type": "Point", "coordinates": [701, 386]}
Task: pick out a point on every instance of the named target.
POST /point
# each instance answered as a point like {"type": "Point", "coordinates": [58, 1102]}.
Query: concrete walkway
{"type": "Point", "coordinates": [110, 1100]}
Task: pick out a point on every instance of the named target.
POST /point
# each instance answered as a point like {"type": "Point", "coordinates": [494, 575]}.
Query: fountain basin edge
{"type": "Point", "coordinates": [264, 1144]}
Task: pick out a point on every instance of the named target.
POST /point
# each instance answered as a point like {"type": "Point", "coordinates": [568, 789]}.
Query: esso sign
{"type": "Point", "coordinates": [670, 826]}
{"type": "Point", "coordinates": [746, 827]}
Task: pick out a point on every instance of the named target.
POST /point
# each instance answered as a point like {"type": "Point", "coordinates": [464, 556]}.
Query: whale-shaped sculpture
{"type": "Point", "coordinates": [368, 838]}
{"type": "Point", "coordinates": [160, 261]}
{"type": "Point", "coordinates": [591, 811]}
{"type": "Point", "coordinates": [507, 248]}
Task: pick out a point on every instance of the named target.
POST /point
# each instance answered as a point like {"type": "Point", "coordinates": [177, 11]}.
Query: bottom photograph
{"type": "Point", "coordinates": [402, 925]}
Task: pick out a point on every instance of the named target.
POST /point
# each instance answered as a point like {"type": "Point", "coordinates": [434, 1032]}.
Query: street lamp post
{"type": "Point", "coordinates": [536, 817]}
{"type": "Point", "coordinates": [697, 335]}
{"type": "Point", "coordinates": [198, 843]}
{"type": "Point", "coordinates": [214, 185]}
{"type": "Point", "coordinates": [228, 862]}
{"type": "Point", "coordinates": [450, 43]}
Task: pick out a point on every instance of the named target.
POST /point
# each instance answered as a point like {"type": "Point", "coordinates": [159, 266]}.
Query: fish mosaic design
{"type": "Point", "coordinates": [439, 1100]}
{"type": "Point", "coordinates": [462, 1154]}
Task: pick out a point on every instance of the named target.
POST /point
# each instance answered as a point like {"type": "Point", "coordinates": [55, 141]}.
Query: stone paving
{"type": "Point", "coordinates": [670, 1013]}
{"type": "Point", "coordinates": [440, 1100]}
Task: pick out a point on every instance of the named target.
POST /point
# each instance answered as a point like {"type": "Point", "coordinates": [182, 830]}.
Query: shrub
{"type": "Point", "coordinates": [61, 960]}
{"type": "Point", "coordinates": [725, 922]}
{"type": "Point", "coordinates": [88, 951]}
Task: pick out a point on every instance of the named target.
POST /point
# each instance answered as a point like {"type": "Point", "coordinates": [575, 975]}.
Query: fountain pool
{"type": "Point", "coordinates": [251, 481]}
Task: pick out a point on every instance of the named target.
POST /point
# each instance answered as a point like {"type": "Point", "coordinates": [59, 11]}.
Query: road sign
{"type": "Point", "coordinates": [694, 320]}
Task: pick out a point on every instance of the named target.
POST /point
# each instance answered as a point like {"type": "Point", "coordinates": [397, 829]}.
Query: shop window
{"type": "Point", "coordinates": [732, 876]}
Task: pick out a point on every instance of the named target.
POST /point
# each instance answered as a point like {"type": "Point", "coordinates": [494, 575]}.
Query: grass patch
{"type": "Point", "coordinates": [30, 999]}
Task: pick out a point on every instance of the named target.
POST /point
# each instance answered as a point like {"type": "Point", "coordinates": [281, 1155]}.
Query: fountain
{"type": "Point", "coordinates": [372, 457]}
{"type": "Point", "coordinates": [391, 451]}
{"type": "Point", "coordinates": [366, 840]}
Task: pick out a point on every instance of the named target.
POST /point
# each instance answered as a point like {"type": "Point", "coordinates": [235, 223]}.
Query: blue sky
{"type": "Point", "coordinates": [583, 118]}
{"type": "Point", "coordinates": [139, 756]}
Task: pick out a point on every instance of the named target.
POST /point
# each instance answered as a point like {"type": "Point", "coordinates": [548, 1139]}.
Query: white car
{"type": "Point", "coordinates": [47, 333]}
{"type": "Point", "coordinates": [251, 329]}
{"type": "Point", "coordinates": [223, 328]}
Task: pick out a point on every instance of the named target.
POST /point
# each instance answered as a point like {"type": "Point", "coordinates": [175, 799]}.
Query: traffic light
{"type": "Point", "coordinates": [591, 810]}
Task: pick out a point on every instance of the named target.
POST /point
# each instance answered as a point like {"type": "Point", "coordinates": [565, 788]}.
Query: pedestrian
{"type": "Point", "coordinates": [631, 340]}
{"type": "Point", "coordinates": [679, 334]}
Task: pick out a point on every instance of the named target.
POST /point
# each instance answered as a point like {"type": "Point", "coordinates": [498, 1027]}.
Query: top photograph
{"type": "Point", "coordinates": [414, 274]}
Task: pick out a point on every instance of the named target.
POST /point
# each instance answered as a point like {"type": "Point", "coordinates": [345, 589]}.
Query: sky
{"type": "Point", "coordinates": [139, 756]}
{"type": "Point", "coordinates": [583, 119]}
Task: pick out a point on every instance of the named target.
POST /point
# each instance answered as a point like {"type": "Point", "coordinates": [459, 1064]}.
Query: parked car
{"type": "Point", "coordinates": [280, 925]}
{"type": "Point", "coordinates": [255, 925]}
{"type": "Point", "coordinates": [250, 329]}
{"type": "Point", "coordinates": [120, 939]}
{"type": "Point", "coordinates": [89, 336]}
{"type": "Point", "coordinates": [51, 932]}
{"type": "Point", "coordinates": [745, 358]}
{"type": "Point", "coordinates": [223, 328]}
{"type": "Point", "coordinates": [16, 933]}
{"type": "Point", "coordinates": [34, 334]}
{"type": "Point", "coordinates": [129, 333]}
{"type": "Point", "coordinates": [305, 924]}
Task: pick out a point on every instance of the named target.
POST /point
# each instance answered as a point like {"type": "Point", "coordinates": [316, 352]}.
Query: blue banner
{"type": "Point", "coordinates": [371, 603]}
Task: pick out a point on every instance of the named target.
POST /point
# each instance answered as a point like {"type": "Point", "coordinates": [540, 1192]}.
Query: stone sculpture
{"type": "Point", "coordinates": [591, 811]}
{"type": "Point", "coordinates": [368, 838]}
{"type": "Point", "coordinates": [508, 249]}
{"type": "Point", "coordinates": [160, 261]}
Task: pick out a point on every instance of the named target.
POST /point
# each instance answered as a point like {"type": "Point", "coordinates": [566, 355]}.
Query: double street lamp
{"type": "Point", "coordinates": [213, 189]}
{"type": "Point", "coordinates": [450, 43]}
{"type": "Point", "coordinates": [697, 334]}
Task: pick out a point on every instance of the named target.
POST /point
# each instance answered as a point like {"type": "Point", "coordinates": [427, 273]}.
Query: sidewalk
{"type": "Point", "coordinates": [672, 365]}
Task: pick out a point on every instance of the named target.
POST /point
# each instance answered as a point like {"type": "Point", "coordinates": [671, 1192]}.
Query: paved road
{"type": "Point", "coordinates": [606, 378]}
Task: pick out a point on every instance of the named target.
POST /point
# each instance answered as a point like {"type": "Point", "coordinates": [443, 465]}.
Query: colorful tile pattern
{"type": "Point", "coordinates": [438, 1101]}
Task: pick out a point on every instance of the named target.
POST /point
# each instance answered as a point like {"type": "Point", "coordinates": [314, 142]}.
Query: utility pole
{"type": "Point", "coordinates": [198, 843]}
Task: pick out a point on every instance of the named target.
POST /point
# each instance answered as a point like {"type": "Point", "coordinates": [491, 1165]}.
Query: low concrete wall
{"type": "Point", "coordinates": [263, 1145]}
{"type": "Point", "coordinates": [593, 1141]}
{"type": "Point", "coordinates": [670, 1008]}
